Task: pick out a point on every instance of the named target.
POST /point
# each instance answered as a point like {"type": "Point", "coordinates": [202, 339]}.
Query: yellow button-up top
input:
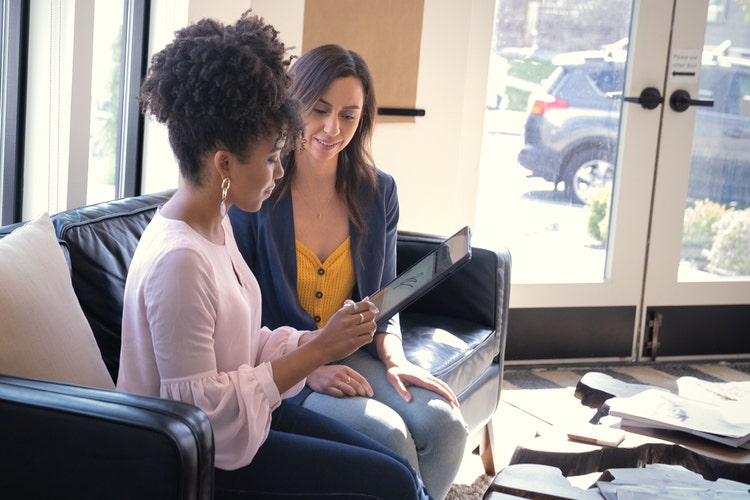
{"type": "Point", "coordinates": [322, 287]}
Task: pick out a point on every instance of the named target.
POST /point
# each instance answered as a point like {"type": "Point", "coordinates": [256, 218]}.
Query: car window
{"type": "Point", "coordinates": [739, 95]}
{"type": "Point", "coordinates": [607, 81]}
{"type": "Point", "coordinates": [728, 88]}
{"type": "Point", "coordinates": [552, 79]}
{"type": "Point", "coordinates": [715, 84]}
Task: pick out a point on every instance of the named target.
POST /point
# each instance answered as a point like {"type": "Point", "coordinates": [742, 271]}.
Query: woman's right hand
{"type": "Point", "coordinates": [351, 327]}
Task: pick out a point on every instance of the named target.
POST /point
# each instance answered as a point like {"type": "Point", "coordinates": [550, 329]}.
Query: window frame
{"type": "Point", "coordinates": [14, 40]}
{"type": "Point", "coordinates": [129, 167]}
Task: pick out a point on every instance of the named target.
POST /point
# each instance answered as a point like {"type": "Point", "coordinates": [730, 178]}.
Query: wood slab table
{"type": "Point", "coordinates": [640, 446]}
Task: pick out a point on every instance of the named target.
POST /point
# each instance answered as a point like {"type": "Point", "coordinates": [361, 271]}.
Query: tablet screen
{"type": "Point", "coordinates": [423, 275]}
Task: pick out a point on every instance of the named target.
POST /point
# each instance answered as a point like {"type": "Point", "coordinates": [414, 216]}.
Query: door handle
{"type": "Point", "coordinates": [680, 101]}
{"type": "Point", "coordinates": [650, 98]}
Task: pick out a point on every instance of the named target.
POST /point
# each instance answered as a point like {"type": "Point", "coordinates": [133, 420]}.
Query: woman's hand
{"type": "Point", "coordinates": [406, 373]}
{"type": "Point", "coordinates": [347, 330]}
{"type": "Point", "coordinates": [351, 327]}
{"type": "Point", "coordinates": [339, 381]}
{"type": "Point", "coordinates": [402, 373]}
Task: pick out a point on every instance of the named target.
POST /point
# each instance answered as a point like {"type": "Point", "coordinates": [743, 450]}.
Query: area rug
{"type": "Point", "coordinates": [471, 491]}
{"type": "Point", "coordinates": [532, 397]}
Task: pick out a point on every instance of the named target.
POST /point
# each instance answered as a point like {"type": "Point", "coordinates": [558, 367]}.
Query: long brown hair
{"type": "Point", "coordinates": [312, 74]}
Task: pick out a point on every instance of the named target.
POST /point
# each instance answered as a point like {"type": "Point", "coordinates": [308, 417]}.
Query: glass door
{"type": "Point", "coordinates": [573, 178]}
{"type": "Point", "coordinates": [697, 283]}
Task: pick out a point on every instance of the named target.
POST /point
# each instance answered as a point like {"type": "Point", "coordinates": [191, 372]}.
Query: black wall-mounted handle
{"type": "Point", "coordinates": [650, 98]}
{"type": "Point", "coordinates": [400, 112]}
{"type": "Point", "coordinates": [680, 101]}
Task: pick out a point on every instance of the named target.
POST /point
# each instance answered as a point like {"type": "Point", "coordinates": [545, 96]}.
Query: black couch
{"type": "Point", "coordinates": [62, 440]}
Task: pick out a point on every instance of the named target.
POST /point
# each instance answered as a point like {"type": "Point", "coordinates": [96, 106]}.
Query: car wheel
{"type": "Point", "coordinates": [586, 174]}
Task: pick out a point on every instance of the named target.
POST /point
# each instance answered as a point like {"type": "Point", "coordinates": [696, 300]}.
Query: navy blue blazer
{"type": "Point", "coordinates": [266, 241]}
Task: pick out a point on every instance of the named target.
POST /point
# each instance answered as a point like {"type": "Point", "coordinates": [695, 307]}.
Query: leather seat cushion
{"type": "Point", "coordinates": [452, 349]}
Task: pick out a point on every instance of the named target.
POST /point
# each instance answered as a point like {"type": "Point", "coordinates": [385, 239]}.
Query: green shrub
{"type": "Point", "coordinates": [517, 99]}
{"type": "Point", "coordinates": [532, 70]}
{"type": "Point", "coordinates": [698, 231]}
{"type": "Point", "coordinates": [598, 223]}
{"type": "Point", "coordinates": [730, 252]}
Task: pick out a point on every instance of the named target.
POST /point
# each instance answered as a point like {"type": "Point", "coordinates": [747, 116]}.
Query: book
{"type": "Point", "coordinates": [727, 423]}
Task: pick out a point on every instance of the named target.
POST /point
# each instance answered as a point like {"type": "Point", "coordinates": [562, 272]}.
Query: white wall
{"type": "Point", "coordinates": [436, 159]}
{"type": "Point", "coordinates": [287, 16]}
{"type": "Point", "coordinates": [226, 11]}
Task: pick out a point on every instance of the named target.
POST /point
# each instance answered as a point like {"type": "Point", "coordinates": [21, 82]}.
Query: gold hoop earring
{"type": "Point", "coordinates": [225, 183]}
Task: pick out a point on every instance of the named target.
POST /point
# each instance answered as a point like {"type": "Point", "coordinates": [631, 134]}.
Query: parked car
{"type": "Point", "coordinates": [571, 131]}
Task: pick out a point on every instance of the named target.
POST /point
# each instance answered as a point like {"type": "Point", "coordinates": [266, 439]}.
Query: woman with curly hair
{"type": "Point", "coordinates": [327, 234]}
{"type": "Point", "coordinates": [192, 307]}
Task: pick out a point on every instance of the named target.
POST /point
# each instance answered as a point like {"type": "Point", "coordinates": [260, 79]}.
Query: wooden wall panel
{"type": "Point", "coordinates": [386, 33]}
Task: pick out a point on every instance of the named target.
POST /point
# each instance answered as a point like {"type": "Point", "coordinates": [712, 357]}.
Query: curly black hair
{"type": "Point", "coordinates": [218, 86]}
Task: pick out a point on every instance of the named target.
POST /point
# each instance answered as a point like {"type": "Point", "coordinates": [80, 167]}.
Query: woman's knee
{"type": "Point", "coordinates": [384, 425]}
{"type": "Point", "coordinates": [432, 414]}
{"type": "Point", "coordinates": [370, 417]}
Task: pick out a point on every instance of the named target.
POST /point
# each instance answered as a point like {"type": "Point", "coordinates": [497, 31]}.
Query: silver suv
{"type": "Point", "coordinates": [571, 130]}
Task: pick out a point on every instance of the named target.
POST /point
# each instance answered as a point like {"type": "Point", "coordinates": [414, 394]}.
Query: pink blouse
{"type": "Point", "coordinates": [191, 331]}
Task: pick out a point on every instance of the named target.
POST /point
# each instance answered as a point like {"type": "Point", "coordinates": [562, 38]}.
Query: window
{"type": "Point", "coordinates": [3, 86]}
{"type": "Point", "coordinates": [71, 125]}
{"type": "Point", "coordinates": [105, 100]}
{"type": "Point", "coordinates": [12, 54]}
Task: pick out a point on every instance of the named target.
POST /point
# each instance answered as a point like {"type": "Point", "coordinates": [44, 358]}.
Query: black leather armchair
{"type": "Point", "coordinates": [67, 441]}
{"type": "Point", "coordinates": [61, 440]}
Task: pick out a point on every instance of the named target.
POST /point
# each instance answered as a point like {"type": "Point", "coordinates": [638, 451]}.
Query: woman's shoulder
{"type": "Point", "coordinates": [385, 182]}
{"type": "Point", "coordinates": [163, 235]}
{"type": "Point", "coordinates": [386, 189]}
{"type": "Point", "coordinates": [383, 176]}
{"type": "Point", "coordinates": [169, 244]}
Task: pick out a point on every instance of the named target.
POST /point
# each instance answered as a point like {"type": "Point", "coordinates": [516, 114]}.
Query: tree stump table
{"type": "Point", "coordinates": [639, 447]}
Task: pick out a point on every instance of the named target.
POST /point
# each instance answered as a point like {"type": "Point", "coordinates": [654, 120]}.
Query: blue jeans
{"type": "Point", "coordinates": [429, 431]}
{"type": "Point", "coordinates": [309, 455]}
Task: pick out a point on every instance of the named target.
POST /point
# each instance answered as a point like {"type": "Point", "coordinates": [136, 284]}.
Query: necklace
{"type": "Point", "coordinates": [318, 214]}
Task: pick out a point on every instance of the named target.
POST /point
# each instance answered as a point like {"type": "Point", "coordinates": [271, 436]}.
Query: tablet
{"type": "Point", "coordinates": [424, 275]}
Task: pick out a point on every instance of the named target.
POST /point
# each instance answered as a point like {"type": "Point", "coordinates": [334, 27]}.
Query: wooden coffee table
{"type": "Point", "coordinates": [543, 482]}
{"type": "Point", "coordinates": [640, 446]}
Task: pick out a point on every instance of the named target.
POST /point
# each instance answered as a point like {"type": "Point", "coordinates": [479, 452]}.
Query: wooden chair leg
{"type": "Point", "coordinates": [486, 442]}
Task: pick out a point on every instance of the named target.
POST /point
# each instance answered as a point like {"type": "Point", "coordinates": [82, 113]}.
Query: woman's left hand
{"type": "Point", "coordinates": [406, 373]}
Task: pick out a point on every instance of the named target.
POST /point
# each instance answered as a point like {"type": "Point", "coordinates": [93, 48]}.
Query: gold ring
{"type": "Point", "coordinates": [361, 318]}
{"type": "Point", "coordinates": [355, 308]}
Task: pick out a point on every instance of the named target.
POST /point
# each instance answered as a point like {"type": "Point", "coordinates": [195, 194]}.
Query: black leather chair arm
{"type": "Point", "coordinates": [66, 441]}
